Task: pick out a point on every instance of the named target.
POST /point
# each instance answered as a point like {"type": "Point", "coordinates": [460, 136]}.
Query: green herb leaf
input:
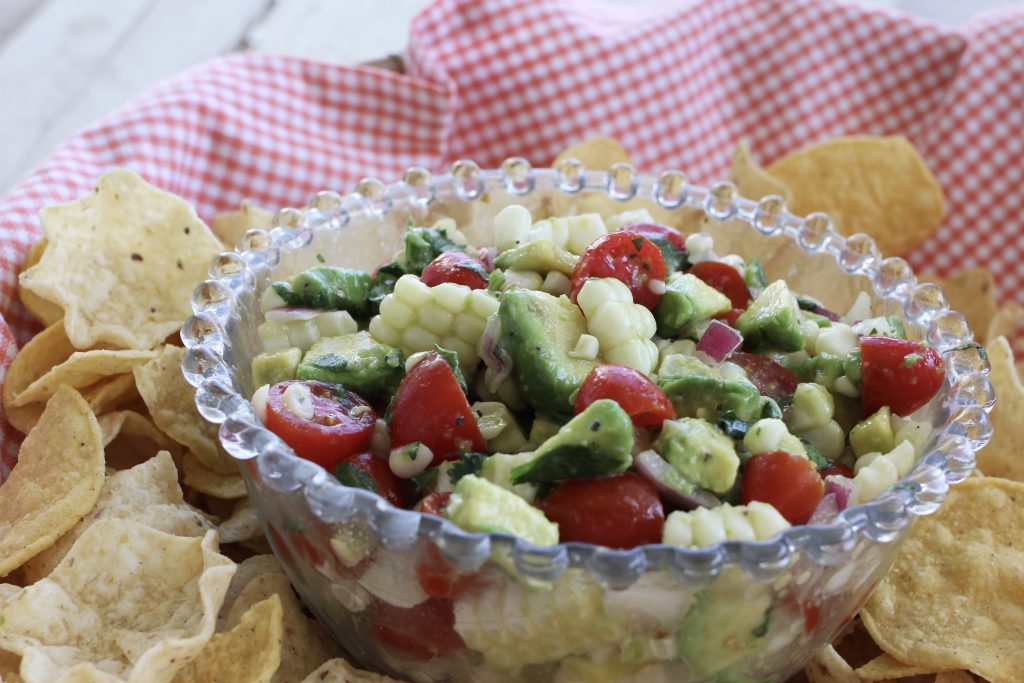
{"type": "Point", "coordinates": [354, 477]}
{"type": "Point", "coordinates": [425, 480]}
{"type": "Point", "coordinates": [496, 280]}
{"type": "Point", "coordinates": [815, 455]}
{"type": "Point", "coordinates": [452, 359]}
{"type": "Point", "coordinates": [733, 427]}
{"type": "Point", "coordinates": [469, 463]}
{"type": "Point", "coordinates": [753, 275]}
{"type": "Point", "coordinates": [423, 245]}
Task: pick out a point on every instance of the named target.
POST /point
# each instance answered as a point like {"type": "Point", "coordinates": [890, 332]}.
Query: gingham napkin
{"type": "Point", "coordinates": [676, 83]}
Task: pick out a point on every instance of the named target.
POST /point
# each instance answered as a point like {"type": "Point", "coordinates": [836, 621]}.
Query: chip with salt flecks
{"type": "Point", "coordinates": [39, 308]}
{"type": "Point", "coordinates": [203, 479]}
{"type": "Point", "coordinates": [133, 600]}
{"type": "Point", "coordinates": [48, 348]}
{"type": "Point", "coordinates": [954, 599]}
{"type": "Point", "coordinates": [230, 226]}
{"type": "Point", "coordinates": [340, 671]}
{"type": "Point", "coordinates": [56, 482]}
{"type": "Point", "coordinates": [1003, 457]}
{"type": "Point", "coordinates": [122, 262]}
{"type": "Point", "coordinates": [81, 369]}
{"type": "Point", "coordinates": [751, 179]}
{"type": "Point", "coordinates": [885, 667]}
{"type": "Point", "coordinates": [147, 493]}
{"type": "Point", "coordinates": [248, 653]}
{"type": "Point", "coordinates": [130, 438]}
{"type": "Point", "coordinates": [877, 185]}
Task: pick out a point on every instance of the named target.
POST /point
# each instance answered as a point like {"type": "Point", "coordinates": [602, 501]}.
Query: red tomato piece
{"type": "Point", "coordinates": [438, 579]}
{"type": "Point", "coordinates": [623, 511]}
{"type": "Point", "coordinates": [725, 279]}
{"type": "Point", "coordinates": [836, 468]}
{"type": "Point", "coordinates": [656, 231]}
{"type": "Point", "coordinates": [628, 257]}
{"type": "Point", "coordinates": [731, 316]}
{"type": "Point", "coordinates": [458, 267]}
{"type": "Point", "coordinates": [342, 423]}
{"type": "Point", "coordinates": [901, 374]}
{"type": "Point", "coordinates": [433, 503]}
{"type": "Point", "coordinates": [788, 482]}
{"type": "Point", "coordinates": [644, 402]}
{"type": "Point", "coordinates": [389, 486]}
{"type": "Point", "coordinates": [421, 632]}
{"type": "Point", "coordinates": [770, 378]}
{"type": "Point", "coordinates": [431, 408]}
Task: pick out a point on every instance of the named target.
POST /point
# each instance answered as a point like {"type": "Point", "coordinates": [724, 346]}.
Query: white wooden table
{"type": "Point", "coordinates": [64, 63]}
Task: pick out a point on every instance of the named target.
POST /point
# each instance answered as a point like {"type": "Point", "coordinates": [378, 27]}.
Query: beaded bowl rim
{"type": "Point", "coordinates": [967, 398]}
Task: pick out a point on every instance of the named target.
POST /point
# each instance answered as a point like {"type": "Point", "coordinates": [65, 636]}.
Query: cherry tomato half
{"type": "Point", "coordinates": [618, 512]}
{"type": "Point", "coordinates": [438, 579]}
{"type": "Point", "coordinates": [644, 402]}
{"type": "Point", "coordinates": [788, 482]}
{"type": "Point", "coordinates": [898, 373]}
{"type": "Point", "coordinates": [836, 468]}
{"type": "Point", "coordinates": [455, 266]}
{"type": "Point", "coordinates": [342, 422]}
{"type": "Point", "coordinates": [433, 503]}
{"type": "Point", "coordinates": [671, 243]}
{"type": "Point", "coordinates": [389, 486]}
{"type": "Point", "coordinates": [431, 408]}
{"type": "Point", "coordinates": [731, 316]}
{"type": "Point", "coordinates": [725, 279]}
{"type": "Point", "coordinates": [421, 632]}
{"type": "Point", "coordinates": [770, 378]}
{"type": "Point", "coordinates": [628, 257]}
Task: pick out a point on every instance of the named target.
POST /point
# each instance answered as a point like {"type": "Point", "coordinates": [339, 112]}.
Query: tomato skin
{"type": "Point", "coordinates": [770, 378]}
{"type": "Point", "coordinates": [440, 580]}
{"type": "Point", "coordinates": [431, 408]}
{"type": "Point", "coordinates": [644, 402]}
{"type": "Point", "coordinates": [790, 483]}
{"type": "Point", "coordinates": [836, 468]}
{"type": "Point", "coordinates": [421, 632]}
{"type": "Point", "coordinates": [725, 279]}
{"type": "Point", "coordinates": [622, 512]}
{"type": "Point", "coordinates": [434, 503]}
{"type": "Point", "coordinates": [457, 267]}
{"type": "Point", "coordinates": [888, 379]}
{"type": "Point", "coordinates": [389, 486]}
{"type": "Point", "coordinates": [731, 316]}
{"type": "Point", "coordinates": [333, 434]}
{"type": "Point", "coordinates": [656, 231]}
{"type": "Point", "coordinates": [626, 256]}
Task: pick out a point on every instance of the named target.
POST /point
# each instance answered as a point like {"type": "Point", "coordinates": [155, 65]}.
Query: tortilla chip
{"type": "Point", "coordinates": [248, 653]}
{"type": "Point", "coordinates": [953, 599]}
{"type": "Point", "coordinates": [598, 153]}
{"type": "Point", "coordinates": [203, 479]}
{"type": "Point", "coordinates": [305, 645]}
{"type": "Point", "coordinates": [340, 671]}
{"type": "Point", "coordinates": [171, 402]}
{"type": "Point", "coordinates": [82, 369]}
{"type": "Point", "coordinates": [39, 308]}
{"type": "Point", "coordinates": [954, 677]}
{"type": "Point", "coordinates": [1007, 319]}
{"type": "Point", "coordinates": [885, 667]}
{"type": "Point", "coordinates": [876, 185]}
{"type": "Point", "coordinates": [10, 663]}
{"type": "Point", "coordinates": [230, 226]}
{"type": "Point", "coordinates": [828, 667]}
{"type": "Point", "coordinates": [122, 262]}
{"type": "Point", "coordinates": [971, 291]}
{"type": "Point", "coordinates": [243, 525]}
{"type": "Point", "coordinates": [246, 570]}
{"type": "Point", "coordinates": [48, 348]}
{"type": "Point", "coordinates": [55, 483]}
{"type": "Point", "coordinates": [130, 438]}
{"type": "Point", "coordinates": [751, 179]}
{"type": "Point", "coordinates": [147, 493]}
{"type": "Point", "coordinates": [112, 393]}
{"type": "Point", "coordinates": [1002, 456]}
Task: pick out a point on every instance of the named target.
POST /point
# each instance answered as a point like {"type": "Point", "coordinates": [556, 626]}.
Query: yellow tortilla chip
{"type": "Point", "coordinates": [147, 493]}
{"type": "Point", "coordinates": [1007, 319]}
{"type": "Point", "coordinates": [885, 667]}
{"type": "Point", "coordinates": [953, 599]}
{"type": "Point", "coordinates": [230, 226]}
{"type": "Point", "coordinates": [243, 525]}
{"type": "Point", "coordinates": [203, 479]}
{"type": "Point", "coordinates": [598, 153]}
{"type": "Point", "coordinates": [751, 179]}
{"type": "Point", "coordinates": [1002, 456]}
{"type": "Point", "coordinates": [954, 677]}
{"type": "Point", "coordinates": [246, 570]}
{"type": "Point", "coordinates": [340, 671]}
{"type": "Point", "coordinates": [82, 369]}
{"type": "Point", "coordinates": [248, 653]}
{"type": "Point", "coordinates": [130, 438]}
{"type": "Point", "coordinates": [39, 308]}
{"type": "Point", "coordinates": [122, 262]}
{"type": "Point", "coordinates": [111, 393]}
{"type": "Point", "coordinates": [971, 291]}
{"type": "Point", "coordinates": [55, 483]}
{"type": "Point", "coordinates": [48, 348]}
{"type": "Point", "coordinates": [828, 667]}
{"type": "Point", "coordinates": [876, 185]}
{"type": "Point", "coordinates": [171, 402]}
{"type": "Point", "coordinates": [127, 600]}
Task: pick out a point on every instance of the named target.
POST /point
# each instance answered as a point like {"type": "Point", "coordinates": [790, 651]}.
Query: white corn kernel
{"type": "Point", "coordinates": [677, 530]}
{"type": "Point", "coordinates": [860, 309]}
{"type": "Point", "coordinates": [450, 296]}
{"type": "Point", "coordinates": [844, 386]}
{"type": "Point", "coordinates": [837, 340]}
{"type": "Point", "coordinates": [736, 261]}
{"type": "Point", "coordinates": [639, 354]}
{"type": "Point", "coordinates": [708, 528]}
{"type": "Point", "coordinates": [414, 360]}
{"type": "Point", "coordinates": [259, 402]}
{"type": "Point", "coordinates": [633, 217]}
{"type": "Point", "coordinates": [380, 442]}
{"type": "Point", "coordinates": [556, 283]}
{"type": "Point", "coordinates": [482, 304]}
{"type": "Point", "coordinates": [395, 311]}
{"type": "Point", "coordinates": [298, 399]}
{"type": "Point", "coordinates": [765, 436]}
{"type": "Point", "coordinates": [406, 465]}
{"type": "Point", "coordinates": [271, 300]}
{"type": "Point", "coordinates": [415, 338]}
{"type": "Point", "coordinates": [527, 279]}
{"type": "Point", "coordinates": [336, 324]}
{"type": "Point", "coordinates": [829, 438]}
{"type": "Point", "coordinates": [434, 319]}
{"type": "Point", "coordinates": [875, 478]}
{"type": "Point", "coordinates": [587, 348]}
{"type": "Point", "coordinates": [583, 230]}
{"type": "Point", "coordinates": [737, 525]}
{"type": "Point", "coordinates": [598, 291]}
{"type": "Point", "coordinates": [699, 243]}
{"type": "Point", "coordinates": [511, 226]}
{"type": "Point", "coordinates": [411, 290]}
{"type": "Point", "coordinates": [766, 520]}
{"type": "Point", "coordinates": [381, 331]}
{"type": "Point", "coordinates": [468, 327]}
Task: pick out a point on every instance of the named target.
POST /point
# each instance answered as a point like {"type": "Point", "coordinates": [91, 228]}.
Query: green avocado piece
{"type": "Point", "coordinates": [358, 361]}
{"type": "Point", "coordinates": [687, 299]}
{"type": "Point", "coordinates": [697, 390]}
{"type": "Point", "coordinates": [540, 256]}
{"type": "Point", "coordinates": [330, 288]}
{"type": "Point", "coordinates": [823, 369]}
{"type": "Point", "coordinates": [873, 435]}
{"type": "Point", "coordinates": [275, 366]}
{"type": "Point", "coordinates": [596, 443]}
{"type": "Point", "coordinates": [478, 505]}
{"type": "Point", "coordinates": [542, 429]}
{"type": "Point", "coordinates": [700, 452]}
{"type": "Point", "coordinates": [539, 331]}
{"type": "Point", "coordinates": [771, 321]}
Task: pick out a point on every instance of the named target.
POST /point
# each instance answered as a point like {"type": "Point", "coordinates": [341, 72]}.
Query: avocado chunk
{"type": "Point", "coordinates": [772, 321]}
{"type": "Point", "coordinates": [873, 434]}
{"type": "Point", "coordinates": [358, 361]}
{"type": "Point", "coordinates": [539, 331]}
{"type": "Point", "coordinates": [596, 443]}
{"type": "Point", "coordinates": [497, 469]}
{"type": "Point", "coordinates": [687, 299]}
{"type": "Point", "coordinates": [478, 505]}
{"type": "Point", "coordinates": [698, 390]}
{"type": "Point", "coordinates": [499, 427]}
{"type": "Point", "coordinates": [542, 429]}
{"type": "Point", "coordinates": [730, 620]}
{"type": "Point", "coordinates": [541, 256]}
{"type": "Point", "coordinates": [700, 452]}
{"type": "Point", "coordinates": [823, 369]}
{"type": "Point", "coordinates": [328, 287]}
{"type": "Point", "coordinates": [275, 366]}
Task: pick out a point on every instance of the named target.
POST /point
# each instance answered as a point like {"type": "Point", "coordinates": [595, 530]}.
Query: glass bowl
{"type": "Point", "coordinates": [573, 611]}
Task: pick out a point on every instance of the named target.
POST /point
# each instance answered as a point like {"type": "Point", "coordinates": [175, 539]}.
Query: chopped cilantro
{"type": "Point", "coordinates": [354, 477]}
{"type": "Point", "coordinates": [469, 463]}
{"type": "Point", "coordinates": [452, 359]}
{"type": "Point", "coordinates": [425, 480]}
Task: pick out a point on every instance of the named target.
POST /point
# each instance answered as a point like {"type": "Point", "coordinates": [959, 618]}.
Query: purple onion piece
{"type": "Point", "coordinates": [495, 358]}
{"type": "Point", "coordinates": [719, 341]}
{"type": "Point", "coordinates": [289, 313]}
{"type": "Point", "coordinates": [825, 313]}
{"type": "Point", "coordinates": [486, 256]}
{"type": "Point", "coordinates": [826, 511]}
{"type": "Point", "coordinates": [841, 488]}
{"type": "Point", "coordinates": [673, 488]}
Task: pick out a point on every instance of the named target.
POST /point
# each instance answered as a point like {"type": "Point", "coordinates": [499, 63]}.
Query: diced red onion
{"type": "Point", "coordinates": [826, 511]}
{"type": "Point", "coordinates": [842, 488]}
{"type": "Point", "coordinates": [825, 313]}
{"type": "Point", "coordinates": [289, 313]}
{"type": "Point", "coordinates": [486, 255]}
{"type": "Point", "coordinates": [494, 357]}
{"type": "Point", "coordinates": [718, 342]}
{"type": "Point", "coordinates": [672, 487]}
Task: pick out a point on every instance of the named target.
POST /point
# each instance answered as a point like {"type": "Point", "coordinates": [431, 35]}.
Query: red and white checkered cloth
{"type": "Point", "coordinates": [677, 83]}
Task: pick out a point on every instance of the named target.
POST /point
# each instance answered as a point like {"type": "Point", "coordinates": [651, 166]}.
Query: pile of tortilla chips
{"type": "Point", "coordinates": [129, 550]}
